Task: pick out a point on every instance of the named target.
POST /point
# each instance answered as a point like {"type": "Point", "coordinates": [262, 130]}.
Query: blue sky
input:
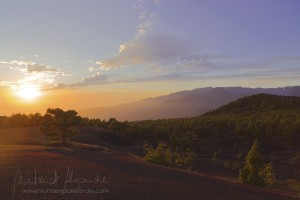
{"type": "Point", "coordinates": [165, 45]}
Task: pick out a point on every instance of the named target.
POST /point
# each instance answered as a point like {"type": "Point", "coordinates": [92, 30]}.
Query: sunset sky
{"type": "Point", "coordinates": [78, 54]}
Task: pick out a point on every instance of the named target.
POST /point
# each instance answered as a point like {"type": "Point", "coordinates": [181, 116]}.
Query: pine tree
{"type": "Point", "coordinates": [252, 172]}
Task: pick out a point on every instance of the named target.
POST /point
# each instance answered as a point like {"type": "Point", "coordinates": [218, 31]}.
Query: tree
{"type": "Point", "coordinates": [34, 119]}
{"type": "Point", "coordinates": [255, 172]}
{"type": "Point", "coordinates": [268, 173]}
{"type": "Point", "coordinates": [215, 159]}
{"type": "Point", "coordinates": [59, 122]}
{"type": "Point", "coordinates": [189, 158]}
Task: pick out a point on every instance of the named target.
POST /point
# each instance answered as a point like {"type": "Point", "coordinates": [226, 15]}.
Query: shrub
{"type": "Point", "coordinates": [294, 184]}
{"type": "Point", "coordinates": [146, 148]}
{"type": "Point", "coordinates": [237, 165]}
{"type": "Point", "coordinates": [228, 165]}
{"type": "Point", "coordinates": [234, 166]}
{"type": "Point", "coordinates": [268, 174]}
{"type": "Point", "coordinates": [215, 159]}
{"type": "Point", "coordinates": [163, 155]}
{"type": "Point", "coordinates": [255, 172]}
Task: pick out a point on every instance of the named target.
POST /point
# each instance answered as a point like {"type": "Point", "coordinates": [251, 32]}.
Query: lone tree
{"type": "Point", "coordinates": [255, 172]}
{"type": "Point", "coordinates": [59, 122]}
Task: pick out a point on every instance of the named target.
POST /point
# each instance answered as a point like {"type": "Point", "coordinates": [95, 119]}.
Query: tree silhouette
{"type": "Point", "coordinates": [59, 122]}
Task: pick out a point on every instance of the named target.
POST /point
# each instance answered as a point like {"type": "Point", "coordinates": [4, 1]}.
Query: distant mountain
{"type": "Point", "coordinates": [181, 104]}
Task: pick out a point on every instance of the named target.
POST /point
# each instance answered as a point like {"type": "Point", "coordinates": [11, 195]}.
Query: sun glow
{"type": "Point", "coordinates": [28, 92]}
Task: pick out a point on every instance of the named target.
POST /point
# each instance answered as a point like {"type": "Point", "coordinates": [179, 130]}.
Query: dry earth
{"type": "Point", "coordinates": [32, 169]}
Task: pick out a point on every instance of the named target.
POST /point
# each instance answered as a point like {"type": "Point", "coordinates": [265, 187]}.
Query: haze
{"type": "Point", "coordinates": [85, 54]}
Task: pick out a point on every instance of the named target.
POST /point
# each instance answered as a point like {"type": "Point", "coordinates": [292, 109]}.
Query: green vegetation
{"type": "Point", "coordinates": [163, 155]}
{"type": "Point", "coordinates": [233, 166]}
{"type": "Point", "coordinates": [59, 122]}
{"type": "Point", "coordinates": [20, 120]}
{"type": "Point", "coordinates": [174, 142]}
{"type": "Point", "coordinates": [255, 172]}
{"type": "Point", "coordinates": [294, 184]}
{"type": "Point", "coordinates": [266, 117]}
{"type": "Point", "coordinates": [215, 159]}
{"type": "Point", "coordinates": [268, 174]}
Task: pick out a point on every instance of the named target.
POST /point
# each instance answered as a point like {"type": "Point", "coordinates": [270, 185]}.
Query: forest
{"type": "Point", "coordinates": [274, 120]}
{"type": "Point", "coordinates": [269, 118]}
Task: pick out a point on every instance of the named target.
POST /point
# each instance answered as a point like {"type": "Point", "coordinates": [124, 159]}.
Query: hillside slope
{"type": "Point", "coordinates": [260, 103]}
{"type": "Point", "coordinates": [126, 177]}
{"type": "Point", "coordinates": [187, 103]}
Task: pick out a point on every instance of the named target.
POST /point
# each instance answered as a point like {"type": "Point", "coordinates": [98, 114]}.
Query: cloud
{"type": "Point", "coordinates": [28, 66]}
{"type": "Point", "coordinates": [287, 59]}
{"type": "Point", "coordinates": [146, 18]}
{"type": "Point", "coordinates": [33, 73]}
{"type": "Point", "coordinates": [150, 57]}
{"type": "Point", "coordinates": [58, 86]}
{"type": "Point", "coordinates": [158, 51]}
{"type": "Point", "coordinates": [40, 68]}
{"type": "Point", "coordinates": [94, 79]}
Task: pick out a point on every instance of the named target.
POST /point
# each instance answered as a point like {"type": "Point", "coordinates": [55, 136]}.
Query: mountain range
{"type": "Point", "coordinates": [188, 103]}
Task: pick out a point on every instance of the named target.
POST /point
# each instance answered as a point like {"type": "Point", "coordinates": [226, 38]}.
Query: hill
{"type": "Point", "coordinates": [189, 103]}
{"type": "Point", "coordinates": [271, 118]}
{"type": "Point", "coordinates": [260, 103]}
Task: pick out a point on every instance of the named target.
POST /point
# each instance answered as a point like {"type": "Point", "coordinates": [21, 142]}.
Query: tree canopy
{"type": "Point", "coordinates": [59, 122]}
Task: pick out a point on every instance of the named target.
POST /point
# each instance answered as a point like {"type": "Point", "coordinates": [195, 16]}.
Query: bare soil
{"type": "Point", "coordinates": [95, 166]}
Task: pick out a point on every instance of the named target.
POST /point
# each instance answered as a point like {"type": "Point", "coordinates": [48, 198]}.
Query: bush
{"type": "Point", "coordinates": [234, 166]}
{"type": "Point", "coordinates": [189, 158]}
{"type": "Point", "coordinates": [146, 148]}
{"type": "Point", "coordinates": [228, 165]}
{"type": "Point", "coordinates": [163, 155]}
{"type": "Point", "coordinates": [254, 172]}
{"type": "Point", "coordinates": [294, 184]}
{"type": "Point", "coordinates": [268, 174]}
{"type": "Point", "coordinates": [215, 159]}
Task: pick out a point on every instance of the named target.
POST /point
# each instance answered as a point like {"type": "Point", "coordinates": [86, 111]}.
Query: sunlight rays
{"type": "Point", "coordinates": [27, 92]}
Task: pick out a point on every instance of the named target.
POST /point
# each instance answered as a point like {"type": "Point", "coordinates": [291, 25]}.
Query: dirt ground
{"type": "Point", "coordinates": [93, 168]}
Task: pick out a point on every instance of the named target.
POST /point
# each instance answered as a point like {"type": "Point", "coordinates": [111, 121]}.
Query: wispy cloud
{"type": "Point", "coordinates": [159, 52]}
{"type": "Point", "coordinates": [94, 79]}
{"type": "Point", "coordinates": [33, 73]}
{"type": "Point", "coordinates": [145, 16]}
{"type": "Point", "coordinates": [162, 57]}
{"type": "Point", "coordinates": [150, 57]}
{"type": "Point", "coordinates": [287, 59]}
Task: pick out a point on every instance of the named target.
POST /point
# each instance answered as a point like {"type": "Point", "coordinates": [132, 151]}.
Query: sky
{"type": "Point", "coordinates": [78, 54]}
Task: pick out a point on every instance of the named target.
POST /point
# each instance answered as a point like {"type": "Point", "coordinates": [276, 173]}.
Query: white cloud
{"type": "Point", "coordinates": [159, 51]}
{"type": "Point", "coordinates": [92, 68]}
{"type": "Point", "coordinates": [33, 73]}
{"type": "Point", "coordinates": [95, 79]}
{"type": "Point", "coordinates": [146, 18]}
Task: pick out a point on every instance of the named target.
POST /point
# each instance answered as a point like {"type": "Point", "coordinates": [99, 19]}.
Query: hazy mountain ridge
{"type": "Point", "coordinates": [186, 103]}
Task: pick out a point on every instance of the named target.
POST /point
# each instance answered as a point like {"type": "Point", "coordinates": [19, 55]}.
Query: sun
{"type": "Point", "coordinates": [28, 92]}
